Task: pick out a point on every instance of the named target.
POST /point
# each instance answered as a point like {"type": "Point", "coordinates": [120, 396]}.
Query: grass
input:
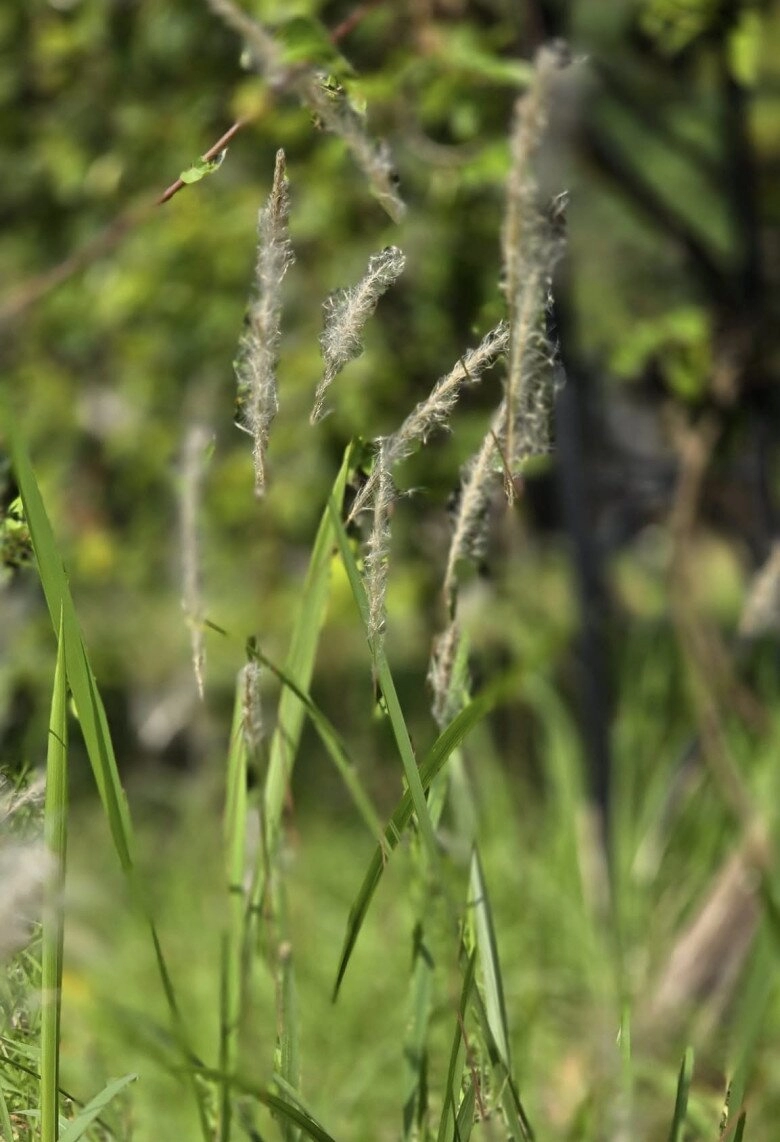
{"type": "Point", "coordinates": [486, 959]}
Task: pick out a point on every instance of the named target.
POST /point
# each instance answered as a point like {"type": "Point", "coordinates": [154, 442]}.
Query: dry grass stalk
{"type": "Point", "coordinates": [193, 465]}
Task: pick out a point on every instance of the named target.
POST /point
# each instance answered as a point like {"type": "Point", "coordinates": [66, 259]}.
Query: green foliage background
{"type": "Point", "coordinates": [102, 106]}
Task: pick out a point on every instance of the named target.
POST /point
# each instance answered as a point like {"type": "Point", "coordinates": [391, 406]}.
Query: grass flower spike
{"type": "Point", "coordinates": [257, 359]}
{"type": "Point", "coordinates": [346, 312]}
{"type": "Point", "coordinates": [531, 246]}
{"type": "Point", "coordinates": [435, 411]}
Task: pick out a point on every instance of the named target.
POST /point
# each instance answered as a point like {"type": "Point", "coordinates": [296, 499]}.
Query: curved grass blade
{"type": "Point", "coordinates": [681, 1101]}
{"type": "Point", "coordinates": [387, 685]}
{"type": "Point", "coordinates": [290, 1108]}
{"type": "Point", "coordinates": [299, 664]}
{"type": "Point", "coordinates": [446, 743]}
{"type": "Point", "coordinates": [450, 1115]}
{"type": "Point", "coordinates": [740, 1131]}
{"type": "Point", "coordinates": [89, 705]}
{"type": "Point", "coordinates": [87, 1116]}
{"type": "Point", "coordinates": [55, 833]}
{"type": "Point", "coordinates": [333, 743]}
{"type": "Point", "coordinates": [495, 1007]}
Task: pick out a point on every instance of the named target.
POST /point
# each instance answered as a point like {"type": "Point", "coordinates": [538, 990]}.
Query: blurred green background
{"type": "Point", "coordinates": [622, 577]}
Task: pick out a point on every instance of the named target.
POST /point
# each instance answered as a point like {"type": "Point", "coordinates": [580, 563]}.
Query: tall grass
{"type": "Point", "coordinates": [463, 1071]}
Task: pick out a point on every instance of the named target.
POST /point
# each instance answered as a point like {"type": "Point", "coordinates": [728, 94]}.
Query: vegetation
{"type": "Point", "coordinates": [425, 808]}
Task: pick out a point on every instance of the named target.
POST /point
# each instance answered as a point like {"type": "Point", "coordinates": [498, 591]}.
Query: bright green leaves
{"type": "Point", "coordinates": [202, 168]}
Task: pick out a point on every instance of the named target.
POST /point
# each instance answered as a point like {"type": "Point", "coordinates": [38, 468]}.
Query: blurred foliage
{"type": "Point", "coordinates": [104, 103]}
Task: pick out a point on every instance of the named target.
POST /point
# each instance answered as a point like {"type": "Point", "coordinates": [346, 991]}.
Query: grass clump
{"type": "Point", "coordinates": [268, 927]}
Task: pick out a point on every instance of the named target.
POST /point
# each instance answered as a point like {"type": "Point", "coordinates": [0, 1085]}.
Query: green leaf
{"type": "Point", "coordinates": [87, 1116]}
{"type": "Point", "coordinates": [202, 168]}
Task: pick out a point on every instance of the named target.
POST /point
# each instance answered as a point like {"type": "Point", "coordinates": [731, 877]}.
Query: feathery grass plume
{"type": "Point", "coordinates": [346, 312]}
{"type": "Point", "coordinates": [468, 533]}
{"type": "Point", "coordinates": [478, 479]}
{"type": "Point", "coordinates": [25, 865]}
{"type": "Point", "coordinates": [378, 547]}
{"type": "Point", "coordinates": [252, 709]}
{"type": "Point", "coordinates": [435, 410]}
{"type": "Point", "coordinates": [440, 674]}
{"type": "Point", "coordinates": [328, 102]}
{"type": "Point", "coordinates": [530, 246]}
{"type": "Point", "coordinates": [196, 444]}
{"type": "Point", "coordinates": [337, 114]}
{"type": "Point", "coordinates": [258, 351]}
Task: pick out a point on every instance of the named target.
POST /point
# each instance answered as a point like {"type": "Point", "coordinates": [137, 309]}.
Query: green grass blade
{"type": "Point", "coordinates": [89, 705]}
{"type": "Point", "coordinates": [681, 1101]}
{"type": "Point", "coordinates": [518, 1124]}
{"type": "Point", "coordinates": [6, 1130]}
{"type": "Point", "coordinates": [482, 917]}
{"type": "Point", "coordinates": [387, 685]}
{"type": "Point", "coordinates": [235, 820]}
{"type": "Point", "coordinates": [740, 1131]}
{"type": "Point", "coordinates": [448, 741]}
{"type": "Point", "coordinates": [464, 1123]}
{"type": "Point", "coordinates": [492, 1009]}
{"type": "Point", "coordinates": [290, 1108]}
{"type": "Point", "coordinates": [55, 833]}
{"type": "Point", "coordinates": [288, 1048]}
{"type": "Point", "coordinates": [335, 746]}
{"type": "Point", "coordinates": [448, 1123]}
{"type": "Point", "coordinates": [79, 673]}
{"type": "Point", "coordinates": [299, 665]}
{"type": "Point", "coordinates": [415, 1041]}
{"type": "Point", "coordinates": [87, 1116]}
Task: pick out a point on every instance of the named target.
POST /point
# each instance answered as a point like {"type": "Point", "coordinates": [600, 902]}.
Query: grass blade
{"type": "Point", "coordinates": [448, 1123]}
{"type": "Point", "coordinates": [488, 959]}
{"type": "Point", "coordinates": [55, 833]}
{"type": "Point", "coordinates": [387, 685]}
{"type": "Point", "coordinates": [299, 665]}
{"type": "Point", "coordinates": [89, 706]}
{"type": "Point", "coordinates": [288, 1049]}
{"type": "Point", "coordinates": [681, 1101]}
{"type": "Point", "coordinates": [87, 1116]}
{"type": "Point", "coordinates": [447, 742]}
{"type": "Point", "coordinates": [335, 746]}
{"type": "Point", "coordinates": [464, 1123]}
{"type": "Point", "coordinates": [231, 990]}
{"type": "Point", "coordinates": [290, 1109]}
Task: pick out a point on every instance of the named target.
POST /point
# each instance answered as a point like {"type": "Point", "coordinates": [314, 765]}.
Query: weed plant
{"type": "Point", "coordinates": [287, 1004]}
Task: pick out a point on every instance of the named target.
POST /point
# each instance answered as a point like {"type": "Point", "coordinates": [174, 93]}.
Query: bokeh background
{"type": "Point", "coordinates": [625, 575]}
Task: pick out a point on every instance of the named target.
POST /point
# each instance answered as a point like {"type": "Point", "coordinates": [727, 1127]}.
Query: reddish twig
{"type": "Point", "coordinates": [210, 154]}
{"type": "Point", "coordinates": [17, 301]}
